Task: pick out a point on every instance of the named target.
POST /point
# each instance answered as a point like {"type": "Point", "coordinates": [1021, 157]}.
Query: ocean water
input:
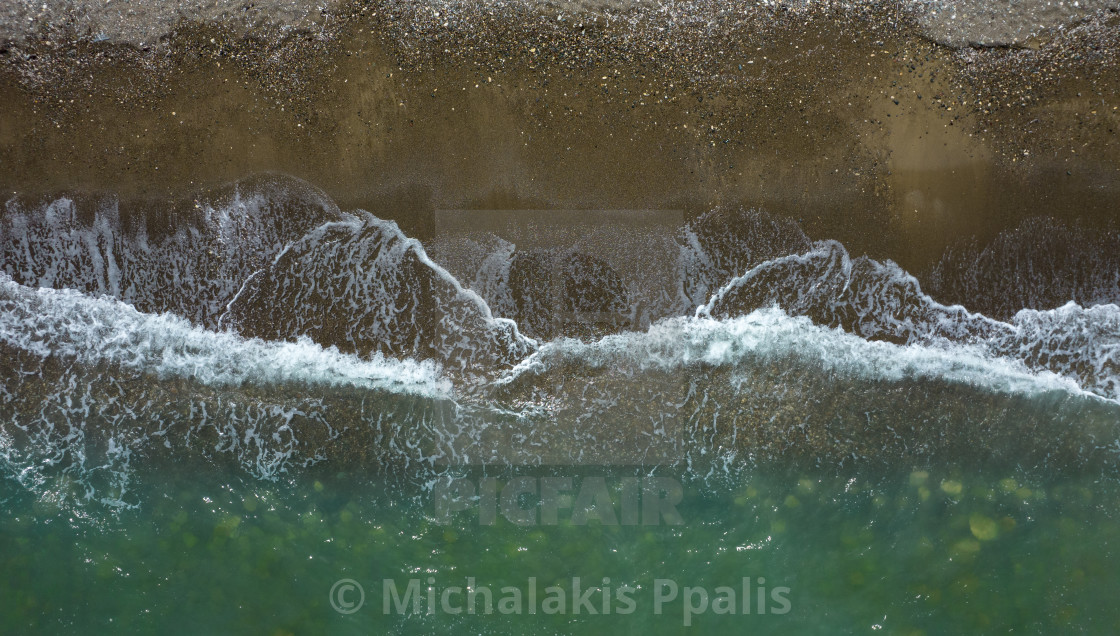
{"type": "Point", "coordinates": [277, 416]}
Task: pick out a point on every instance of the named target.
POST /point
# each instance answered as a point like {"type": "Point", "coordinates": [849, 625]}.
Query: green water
{"type": "Point", "coordinates": [906, 552]}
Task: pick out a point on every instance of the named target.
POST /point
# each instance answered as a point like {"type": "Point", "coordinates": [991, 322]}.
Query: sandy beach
{"type": "Point", "coordinates": [854, 123]}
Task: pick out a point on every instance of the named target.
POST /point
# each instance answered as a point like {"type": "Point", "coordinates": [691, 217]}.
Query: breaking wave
{"type": "Point", "coordinates": [272, 330]}
{"type": "Point", "coordinates": [100, 331]}
{"type": "Point", "coordinates": [880, 301]}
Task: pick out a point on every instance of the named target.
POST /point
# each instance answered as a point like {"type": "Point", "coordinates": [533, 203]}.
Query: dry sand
{"type": "Point", "coordinates": [852, 121]}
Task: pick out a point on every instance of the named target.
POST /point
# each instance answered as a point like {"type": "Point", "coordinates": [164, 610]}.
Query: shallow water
{"type": "Point", "coordinates": [909, 552]}
{"type": "Point", "coordinates": [322, 416]}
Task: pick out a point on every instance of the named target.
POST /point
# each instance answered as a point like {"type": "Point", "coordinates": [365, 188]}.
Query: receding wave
{"type": "Point", "coordinates": [768, 386]}
{"type": "Point", "coordinates": [350, 345]}
{"type": "Point", "coordinates": [724, 243]}
{"type": "Point", "coordinates": [880, 301]}
{"type": "Point", "coordinates": [771, 333]}
{"type": "Point", "coordinates": [94, 331]}
{"type": "Point", "coordinates": [363, 286]}
{"type": "Point", "coordinates": [191, 266]}
{"type": "Point", "coordinates": [93, 389]}
{"type": "Point", "coordinates": [1041, 264]}
{"type": "Point", "coordinates": [91, 386]}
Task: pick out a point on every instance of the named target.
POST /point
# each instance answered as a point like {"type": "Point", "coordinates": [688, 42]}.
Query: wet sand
{"type": "Point", "coordinates": [855, 124]}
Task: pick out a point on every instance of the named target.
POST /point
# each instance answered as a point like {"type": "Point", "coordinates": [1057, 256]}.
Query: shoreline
{"type": "Point", "coordinates": [860, 129]}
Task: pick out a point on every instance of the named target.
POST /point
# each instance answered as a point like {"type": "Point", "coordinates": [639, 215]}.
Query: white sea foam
{"type": "Point", "coordinates": [881, 301]}
{"type": "Point", "coordinates": [192, 271]}
{"type": "Point", "coordinates": [68, 324]}
{"type": "Point", "coordinates": [770, 334]}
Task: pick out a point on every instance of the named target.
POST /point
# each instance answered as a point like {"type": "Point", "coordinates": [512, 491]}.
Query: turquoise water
{"type": "Point", "coordinates": [920, 552]}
